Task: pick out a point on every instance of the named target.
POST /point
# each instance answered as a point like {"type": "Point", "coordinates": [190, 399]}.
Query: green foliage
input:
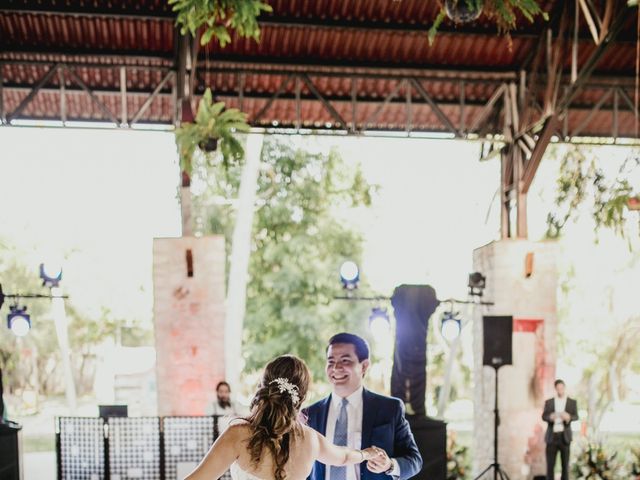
{"type": "Point", "coordinates": [634, 468]}
{"type": "Point", "coordinates": [610, 360]}
{"type": "Point", "coordinates": [501, 12]}
{"type": "Point", "coordinates": [28, 362]}
{"type": "Point", "coordinates": [595, 463]}
{"type": "Point", "coordinates": [212, 122]}
{"type": "Point", "coordinates": [297, 247]}
{"type": "Point", "coordinates": [85, 334]}
{"type": "Point", "coordinates": [33, 362]}
{"type": "Point", "coordinates": [458, 465]}
{"type": "Point", "coordinates": [219, 17]}
{"type": "Point", "coordinates": [580, 180]}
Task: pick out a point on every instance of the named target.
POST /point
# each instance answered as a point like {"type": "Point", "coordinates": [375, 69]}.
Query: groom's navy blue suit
{"type": "Point", "coordinates": [383, 425]}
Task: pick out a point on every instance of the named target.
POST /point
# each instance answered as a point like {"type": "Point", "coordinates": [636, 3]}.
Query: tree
{"type": "Point", "coordinates": [33, 362]}
{"type": "Point", "coordinates": [610, 363]}
{"type": "Point", "coordinates": [583, 181]}
{"type": "Point", "coordinates": [29, 362]}
{"type": "Point", "coordinates": [297, 247]}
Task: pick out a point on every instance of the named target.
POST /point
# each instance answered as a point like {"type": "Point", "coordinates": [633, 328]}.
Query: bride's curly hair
{"type": "Point", "coordinates": [274, 413]}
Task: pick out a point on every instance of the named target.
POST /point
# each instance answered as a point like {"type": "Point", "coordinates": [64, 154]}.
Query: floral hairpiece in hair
{"type": "Point", "coordinates": [284, 385]}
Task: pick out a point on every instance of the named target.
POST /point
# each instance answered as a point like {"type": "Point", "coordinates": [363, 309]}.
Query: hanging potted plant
{"type": "Point", "coordinates": [461, 11]}
{"type": "Point", "coordinates": [501, 12]}
{"type": "Point", "coordinates": [218, 17]}
{"type": "Point", "coordinates": [213, 128]}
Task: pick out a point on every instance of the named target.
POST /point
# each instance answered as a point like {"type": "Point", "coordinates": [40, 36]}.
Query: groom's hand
{"type": "Point", "coordinates": [380, 463]}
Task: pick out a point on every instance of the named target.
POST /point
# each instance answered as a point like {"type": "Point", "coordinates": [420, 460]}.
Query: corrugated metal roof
{"type": "Point", "coordinates": [344, 46]}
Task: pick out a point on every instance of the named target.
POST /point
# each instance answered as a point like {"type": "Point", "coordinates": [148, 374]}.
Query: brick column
{"type": "Point", "coordinates": [531, 299]}
{"type": "Point", "coordinates": [188, 310]}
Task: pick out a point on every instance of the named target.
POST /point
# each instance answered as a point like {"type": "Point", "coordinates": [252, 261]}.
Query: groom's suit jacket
{"type": "Point", "coordinates": [383, 425]}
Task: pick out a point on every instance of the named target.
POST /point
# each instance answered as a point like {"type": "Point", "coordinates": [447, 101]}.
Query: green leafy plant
{"type": "Point", "coordinates": [457, 459]}
{"type": "Point", "coordinates": [634, 469]}
{"type": "Point", "coordinates": [594, 463]}
{"type": "Point", "coordinates": [219, 17]}
{"type": "Point", "coordinates": [297, 243]}
{"type": "Point", "coordinates": [214, 127]}
{"type": "Point", "coordinates": [580, 179]}
{"type": "Point", "coordinates": [501, 12]}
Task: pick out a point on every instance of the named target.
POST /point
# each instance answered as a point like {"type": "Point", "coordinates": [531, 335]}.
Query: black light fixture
{"type": "Point", "coordinates": [18, 320]}
{"type": "Point", "coordinates": [349, 275]}
{"type": "Point", "coordinates": [450, 325]}
{"type": "Point", "coordinates": [477, 283]}
{"type": "Point", "coordinates": [50, 275]}
{"type": "Point", "coordinates": [379, 319]}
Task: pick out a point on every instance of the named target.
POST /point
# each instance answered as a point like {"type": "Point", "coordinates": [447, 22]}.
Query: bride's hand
{"type": "Point", "coordinates": [369, 453]}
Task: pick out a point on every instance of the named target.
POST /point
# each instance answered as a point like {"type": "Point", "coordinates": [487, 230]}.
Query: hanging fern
{"type": "Point", "coordinates": [219, 18]}
{"type": "Point", "coordinates": [212, 122]}
{"type": "Point", "coordinates": [501, 12]}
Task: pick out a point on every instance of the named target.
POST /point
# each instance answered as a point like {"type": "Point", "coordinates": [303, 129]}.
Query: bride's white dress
{"type": "Point", "coordinates": [238, 473]}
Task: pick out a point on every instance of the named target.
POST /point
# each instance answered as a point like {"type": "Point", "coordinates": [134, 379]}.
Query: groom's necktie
{"type": "Point", "coordinates": [340, 438]}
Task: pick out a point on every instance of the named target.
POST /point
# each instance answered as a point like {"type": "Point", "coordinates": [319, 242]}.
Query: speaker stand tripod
{"type": "Point", "coordinates": [498, 472]}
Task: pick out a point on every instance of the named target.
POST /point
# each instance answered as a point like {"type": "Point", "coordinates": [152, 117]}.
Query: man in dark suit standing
{"type": "Point", "coordinates": [355, 417]}
{"type": "Point", "coordinates": [559, 412]}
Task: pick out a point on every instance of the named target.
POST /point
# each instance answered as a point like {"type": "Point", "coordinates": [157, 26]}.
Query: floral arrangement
{"type": "Point", "coordinates": [634, 469]}
{"type": "Point", "coordinates": [457, 459]}
{"type": "Point", "coordinates": [594, 463]}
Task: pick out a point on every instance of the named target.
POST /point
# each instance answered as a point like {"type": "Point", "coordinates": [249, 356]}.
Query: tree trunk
{"type": "Point", "coordinates": [445, 391]}
{"type": "Point", "coordinates": [60, 319]}
{"type": "Point", "coordinates": [239, 259]}
{"type": "Point", "coordinates": [185, 204]}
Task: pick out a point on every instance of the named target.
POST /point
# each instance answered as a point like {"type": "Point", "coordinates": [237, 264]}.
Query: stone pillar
{"type": "Point", "coordinates": [188, 310]}
{"type": "Point", "coordinates": [522, 282]}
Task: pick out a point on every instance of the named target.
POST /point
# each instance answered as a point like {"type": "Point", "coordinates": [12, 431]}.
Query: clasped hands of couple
{"type": "Point", "coordinates": [377, 459]}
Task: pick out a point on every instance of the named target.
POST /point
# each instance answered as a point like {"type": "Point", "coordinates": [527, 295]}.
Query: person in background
{"type": "Point", "coordinates": [559, 412]}
{"type": "Point", "coordinates": [223, 405]}
{"type": "Point", "coordinates": [224, 408]}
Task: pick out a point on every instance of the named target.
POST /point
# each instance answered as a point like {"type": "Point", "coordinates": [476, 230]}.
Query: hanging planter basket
{"type": "Point", "coordinates": [463, 11]}
{"type": "Point", "coordinates": [209, 145]}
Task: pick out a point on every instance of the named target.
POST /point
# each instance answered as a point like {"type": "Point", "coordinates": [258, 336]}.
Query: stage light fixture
{"type": "Point", "coordinates": [379, 322]}
{"type": "Point", "coordinates": [477, 283]}
{"type": "Point", "coordinates": [18, 321]}
{"type": "Point", "coordinates": [349, 275]}
{"type": "Point", "coordinates": [51, 274]}
{"type": "Point", "coordinates": [450, 326]}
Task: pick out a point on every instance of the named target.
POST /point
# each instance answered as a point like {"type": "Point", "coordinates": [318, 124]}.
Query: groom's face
{"type": "Point", "coordinates": [344, 371]}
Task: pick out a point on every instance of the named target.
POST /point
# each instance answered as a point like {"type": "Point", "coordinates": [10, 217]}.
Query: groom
{"type": "Point", "coordinates": [355, 417]}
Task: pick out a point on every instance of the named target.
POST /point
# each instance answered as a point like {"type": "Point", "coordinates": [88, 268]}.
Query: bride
{"type": "Point", "coordinates": [272, 443]}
